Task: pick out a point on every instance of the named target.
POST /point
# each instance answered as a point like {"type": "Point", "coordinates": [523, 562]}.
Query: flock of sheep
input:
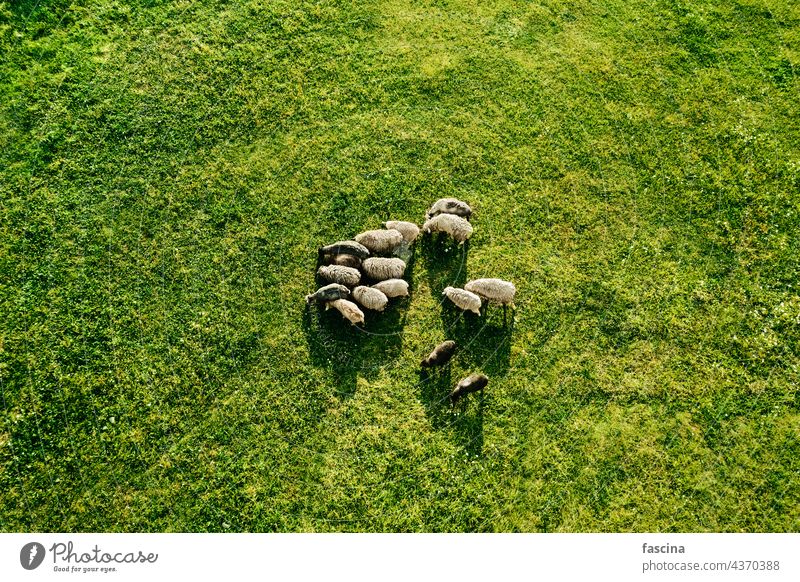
{"type": "Point", "coordinates": [368, 270]}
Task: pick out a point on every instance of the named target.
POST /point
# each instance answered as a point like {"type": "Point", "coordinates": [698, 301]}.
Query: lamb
{"type": "Point", "coordinates": [440, 355]}
{"type": "Point", "coordinates": [392, 288]}
{"type": "Point", "coordinates": [348, 309]}
{"type": "Point", "coordinates": [339, 274]}
{"type": "Point", "coordinates": [409, 230]}
{"type": "Point", "coordinates": [463, 299]}
{"type": "Point", "coordinates": [495, 290]}
{"type": "Point", "coordinates": [329, 293]}
{"type": "Point", "coordinates": [380, 241]}
{"type": "Point", "coordinates": [351, 261]}
{"type": "Point", "coordinates": [449, 206]}
{"type": "Point", "coordinates": [381, 269]}
{"type": "Point", "coordinates": [458, 228]}
{"type": "Point", "coordinates": [348, 247]}
{"type": "Point", "coordinates": [471, 383]}
{"type": "Point", "coordinates": [370, 298]}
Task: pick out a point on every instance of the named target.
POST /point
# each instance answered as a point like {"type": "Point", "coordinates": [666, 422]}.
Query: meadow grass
{"type": "Point", "coordinates": [168, 170]}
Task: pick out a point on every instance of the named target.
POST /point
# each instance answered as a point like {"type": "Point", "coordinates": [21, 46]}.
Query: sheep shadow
{"type": "Point", "coordinates": [348, 351]}
{"type": "Point", "coordinates": [446, 262]}
{"type": "Point", "coordinates": [435, 385]}
{"type": "Point", "coordinates": [467, 423]}
{"type": "Point", "coordinates": [407, 252]}
{"type": "Point", "coordinates": [484, 342]}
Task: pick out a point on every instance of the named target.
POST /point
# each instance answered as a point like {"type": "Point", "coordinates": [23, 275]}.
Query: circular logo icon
{"type": "Point", "coordinates": [31, 555]}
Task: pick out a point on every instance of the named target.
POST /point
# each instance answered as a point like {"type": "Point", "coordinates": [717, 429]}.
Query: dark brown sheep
{"type": "Point", "coordinates": [346, 261]}
{"type": "Point", "coordinates": [440, 355]}
{"type": "Point", "coordinates": [345, 247]}
{"type": "Point", "coordinates": [472, 383]}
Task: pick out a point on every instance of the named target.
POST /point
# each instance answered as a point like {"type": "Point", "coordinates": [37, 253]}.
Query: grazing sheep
{"type": "Point", "coordinates": [382, 269]}
{"type": "Point", "coordinates": [458, 228]}
{"type": "Point", "coordinates": [346, 261]}
{"type": "Point", "coordinates": [440, 355]}
{"type": "Point", "coordinates": [339, 274]}
{"type": "Point", "coordinates": [380, 241]}
{"type": "Point", "coordinates": [329, 293]}
{"type": "Point", "coordinates": [409, 230]}
{"type": "Point", "coordinates": [370, 298]}
{"type": "Point", "coordinates": [392, 288]}
{"type": "Point", "coordinates": [471, 383]}
{"type": "Point", "coordinates": [449, 206]}
{"type": "Point", "coordinates": [463, 299]}
{"type": "Point", "coordinates": [495, 290]}
{"type": "Point", "coordinates": [348, 309]}
{"type": "Point", "coordinates": [347, 247]}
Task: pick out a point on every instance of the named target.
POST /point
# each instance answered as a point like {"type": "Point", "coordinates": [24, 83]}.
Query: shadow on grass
{"type": "Point", "coordinates": [435, 385]}
{"type": "Point", "coordinates": [446, 261]}
{"type": "Point", "coordinates": [484, 342]}
{"type": "Point", "coordinates": [350, 351]}
{"type": "Point", "coordinates": [407, 252]}
{"type": "Point", "coordinates": [468, 423]}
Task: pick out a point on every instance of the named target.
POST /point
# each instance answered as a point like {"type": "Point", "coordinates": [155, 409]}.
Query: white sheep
{"type": "Point", "coordinates": [370, 298]}
{"type": "Point", "coordinates": [380, 269]}
{"type": "Point", "coordinates": [495, 290]}
{"type": "Point", "coordinates": [340, 274]}
{"type": "Point", "coordinates": [409, 230]}
{"type": "Point", "coordinates": [348, 309]}
{"type": "Point", "coordinates": [393, 288]}
{"type": "Point", "coordinates": [463, 299]}
{"type": "Point", "coordinates": [449, 206]}
{"type": "Point", "coordinates": [380, 241]}
{"type": "Point", "coordinates": [458, 228]}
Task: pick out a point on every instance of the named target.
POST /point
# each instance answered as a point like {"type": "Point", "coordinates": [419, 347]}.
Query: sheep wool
{"type": "Point", "coordinates": [370, 298]}
{"type": "Point", "coordinates": [495, 290]}
{"type": "Point", "coordinates": [339, 274]}
{"type": "Point", "coordinates": [348, 309]}
{"type": "Point", "coordinates": [440, 355]}
{"type": "Point", "coordinates": [351, 261]}
{"type": "Point", "coordinates": [329, 293]}
{"type": "Point", "coordinates": [392, 288]}
{"type": "Point", "coordinates": [380, 241]}
{"type": "Point", "coordinates": [348, 247]}
{"type": "Point", "coordinates": [458, 228]}
{"type": "Point", "coordinates": [463, 299]}
{"type": "Point", "coordinates": [471, 383]}
{"type": "Point", "coordinates": [409, 230]}
{"type": "Point", "coordinates": [381, 269]}
{"type": "Point", "coordinates": [449, 206]}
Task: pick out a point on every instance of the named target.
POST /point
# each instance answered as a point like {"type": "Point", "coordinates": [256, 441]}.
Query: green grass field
{"type": "Point", "coordinates": [168, 170]}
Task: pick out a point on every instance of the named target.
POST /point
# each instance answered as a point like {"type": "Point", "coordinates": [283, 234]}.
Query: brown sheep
{"type": "Point", "coordinates": [440, 355]}
{"type": "Point", "coordinates": [471, 383]}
